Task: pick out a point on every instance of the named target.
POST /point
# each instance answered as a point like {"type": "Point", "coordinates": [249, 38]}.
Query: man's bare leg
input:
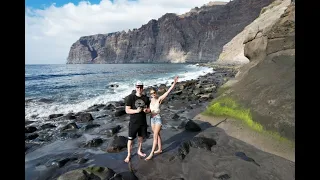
{"type": "Point", "coordinates": [140, 140]}
{"type": "Point", "coordinates": [129, 146]}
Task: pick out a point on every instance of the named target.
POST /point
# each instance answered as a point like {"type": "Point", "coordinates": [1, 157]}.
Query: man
{"type": "Point", "coordinates": [137, 105]}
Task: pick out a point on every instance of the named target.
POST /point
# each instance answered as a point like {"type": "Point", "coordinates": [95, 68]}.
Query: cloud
{"type": "Point", "coordinates": [50, 32]}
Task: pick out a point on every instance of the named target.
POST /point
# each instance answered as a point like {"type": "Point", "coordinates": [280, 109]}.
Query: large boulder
{"type": "Point", "coordinates": [117, 144]}
{"type": "Point", "coordinates": [90, 126]}
{"type": "Point", "coordinates": [196, 142]}
{"type": "Point", "coordinates": [110, 131]}
{"type": "Point", "coordinates": [119, 111]}
{"type": "Point", "coordinates": [93, 173]}
{"type": "Point", "coordinates": [52, 116]}
{"type": "Point", "coordinates": [84, 117]}
{"type": "Point", "coordinates": [48, 126]}
{"type": "Point", "coordinates": [94, 142]}
{"type": "Point", "coordinates": [30, 129]}
{"type": "Point", "coordinates": [70, 126]}
{"type": "Point", "coordinates": [192, 126]}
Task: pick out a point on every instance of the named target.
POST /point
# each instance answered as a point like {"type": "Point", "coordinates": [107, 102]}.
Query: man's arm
{"type": "Point", "coordinates": [132, 111]}
{"type": "Point", "coordinates": [128, 106]}
{"type": "Point", "coordinates": [147, 109]}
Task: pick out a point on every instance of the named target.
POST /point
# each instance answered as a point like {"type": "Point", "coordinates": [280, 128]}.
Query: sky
{"type": "Point", "coordinates": [52, 26]}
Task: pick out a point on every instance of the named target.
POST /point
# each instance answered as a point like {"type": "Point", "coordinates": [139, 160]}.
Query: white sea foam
{"type": "Point", "coordinates": [44, 110]}
{"type": "Point", "coordinates": [193, 73]}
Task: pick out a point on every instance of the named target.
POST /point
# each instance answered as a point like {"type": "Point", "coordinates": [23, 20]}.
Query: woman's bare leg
{"type": "Point", "coordinates": [155, 140]}
{"type": "Point", "coordinates": [159, 144]}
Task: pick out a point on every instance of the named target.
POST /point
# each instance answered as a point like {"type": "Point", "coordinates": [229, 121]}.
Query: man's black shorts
{"type": "Point", "coordinates": [137, 128]}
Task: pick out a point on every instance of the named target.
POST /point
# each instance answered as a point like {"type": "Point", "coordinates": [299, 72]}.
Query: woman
{"type": "Point", "coordinates": [156, 121]}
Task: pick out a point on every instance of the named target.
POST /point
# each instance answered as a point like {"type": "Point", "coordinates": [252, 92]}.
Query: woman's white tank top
{"type": "Point", "coordinates": [155, 108]}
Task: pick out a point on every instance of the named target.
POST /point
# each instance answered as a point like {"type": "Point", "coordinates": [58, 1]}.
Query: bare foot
{"type": "Point", "coordinates": [127, 159]}
{"type": "Point", "coordinates": [158, 152]}
{"type": "Point", "coordinates": [149, 157]}
{"type": "Point", "coordinates": [141, 154]}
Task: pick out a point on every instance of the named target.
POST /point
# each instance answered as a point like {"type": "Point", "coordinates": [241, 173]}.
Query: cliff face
{"type": "Point", "coordinates": [233, 51]}
{"type": "Point", "coordinates": [197, 36]}
{"type": "Point", "coordinates": [267, 83]}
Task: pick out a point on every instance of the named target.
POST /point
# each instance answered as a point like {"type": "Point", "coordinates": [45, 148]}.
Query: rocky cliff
{"type": "Point", "coordinates": [266, 85]}
{"type": "Point", "coordinates": [233, 51]}
{"type": "Point", "coordinates": [197, 36]}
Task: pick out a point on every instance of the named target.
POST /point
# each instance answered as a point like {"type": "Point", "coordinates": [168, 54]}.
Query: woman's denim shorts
{"type": "Point", "coordinates": [156, 120]}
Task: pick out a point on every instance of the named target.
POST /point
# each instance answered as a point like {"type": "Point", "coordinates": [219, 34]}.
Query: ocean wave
{"type": "Point", "coordinates": [44, 110]}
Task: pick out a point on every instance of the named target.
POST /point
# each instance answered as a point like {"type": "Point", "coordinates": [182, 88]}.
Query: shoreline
{"type": "Point", "coordinates": [115, 109]}
{"type": "Point", "coordinates": [50, 105]}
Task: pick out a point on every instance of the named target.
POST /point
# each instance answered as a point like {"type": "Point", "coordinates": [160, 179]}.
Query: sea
{"type": "Point", "coordinates": [65, 88]}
